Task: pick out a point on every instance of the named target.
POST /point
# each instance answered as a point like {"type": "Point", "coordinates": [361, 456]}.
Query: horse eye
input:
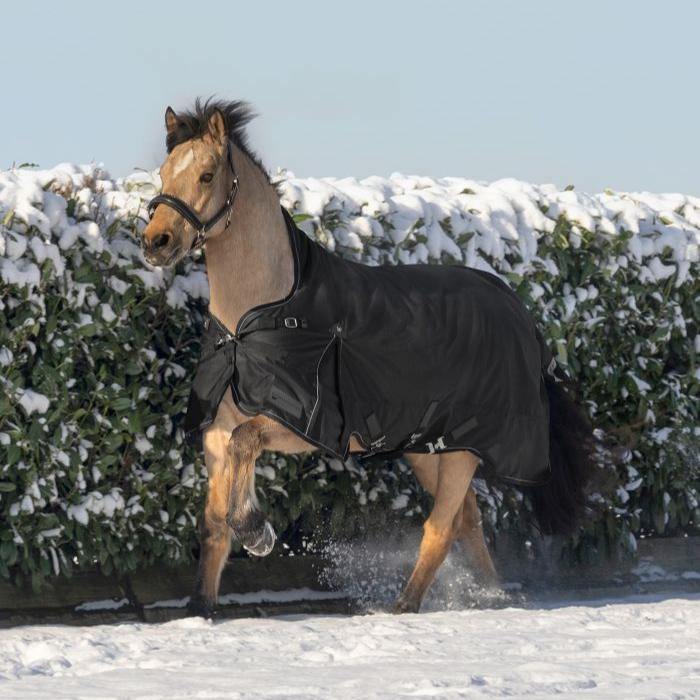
{"type": "Point", "coordinates": [206, 177]}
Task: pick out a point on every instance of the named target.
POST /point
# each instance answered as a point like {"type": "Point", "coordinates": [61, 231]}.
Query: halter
{"type": "Point", "coordinates": [184, 209]}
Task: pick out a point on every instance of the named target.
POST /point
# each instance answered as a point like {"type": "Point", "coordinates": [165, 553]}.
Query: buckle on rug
{"type": "Point", "coordinates": [378, 443]}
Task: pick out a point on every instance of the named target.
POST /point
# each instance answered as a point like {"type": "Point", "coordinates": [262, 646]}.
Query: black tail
{"type": "Point", "coordinates": [560, 502]}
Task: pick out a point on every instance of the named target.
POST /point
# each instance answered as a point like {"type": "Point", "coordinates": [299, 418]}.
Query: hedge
{"type": "Point", "coordinates": [97, 348]}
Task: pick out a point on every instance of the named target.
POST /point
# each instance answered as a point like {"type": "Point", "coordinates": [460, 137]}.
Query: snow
{"type": "Point", "coordinates": [143, 445]}
{"type": "Point", "coordinates": [107, 313]}
{"type": "Point", "coordinates": [33, 402]}
{"type": "Point", "coordinates": [638, 647]}
{"type": "Point", "coordinates": [417, 212]}
{"type": "Point", "coordinates": [406, 218]}
{"type": "Point", "coordinates": [290, 595]}
{"type": "Point", "coordinates": [98, 504]}
{"type": "Point", "coordinates": [401, 501]}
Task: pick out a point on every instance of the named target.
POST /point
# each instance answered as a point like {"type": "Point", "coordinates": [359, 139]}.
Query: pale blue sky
{"type": "Point", "coordinates": [594, 93]}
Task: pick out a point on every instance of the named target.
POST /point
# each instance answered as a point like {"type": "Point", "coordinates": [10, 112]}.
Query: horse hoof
{"type": "Point", "coordinates": [263, 546]}
{"type": "Point", "coordinates": [404, 605]}
{"type": "Point", "coordinates": [198, 607]}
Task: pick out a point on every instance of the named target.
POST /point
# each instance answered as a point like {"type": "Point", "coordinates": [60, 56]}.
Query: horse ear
{"type": "Point", "coordinates": [170, 120]}
{"type": "Point", "coordinates": [217, 126]}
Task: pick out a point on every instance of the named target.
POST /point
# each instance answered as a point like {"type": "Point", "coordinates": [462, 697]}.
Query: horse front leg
{"type": "Point", "coordinates": [215, 534]}
{"type": "Point", "coordinates": [246, 520]}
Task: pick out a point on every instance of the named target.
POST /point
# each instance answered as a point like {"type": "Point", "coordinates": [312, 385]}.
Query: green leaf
{"type": "Point", "coordinates": [88, 330]}
{"type": "Point", "coordinates": [123, 403]}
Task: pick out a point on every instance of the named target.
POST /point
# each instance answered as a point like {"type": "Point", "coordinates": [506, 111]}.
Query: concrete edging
{"type": "Point", "coordinates": [256, 586]}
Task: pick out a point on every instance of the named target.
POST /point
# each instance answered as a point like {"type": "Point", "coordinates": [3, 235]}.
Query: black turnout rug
{"type": "Point", "coordinates": [408, 358]}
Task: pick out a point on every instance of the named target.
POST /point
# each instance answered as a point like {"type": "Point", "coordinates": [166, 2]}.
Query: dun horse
{"type": "Point", "coordinates": [305, 351]}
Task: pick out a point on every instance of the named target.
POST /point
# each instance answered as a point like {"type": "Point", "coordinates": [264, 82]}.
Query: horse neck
{"type": "Point", "coordinates": [251, 262]}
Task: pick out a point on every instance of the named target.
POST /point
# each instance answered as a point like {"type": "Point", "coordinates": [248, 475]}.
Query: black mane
{"type": "Point", "coordinates": [193, 123]}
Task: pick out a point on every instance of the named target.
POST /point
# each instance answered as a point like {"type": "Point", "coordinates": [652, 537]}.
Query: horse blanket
{"type": "Point", "coordinates": [407, 358]}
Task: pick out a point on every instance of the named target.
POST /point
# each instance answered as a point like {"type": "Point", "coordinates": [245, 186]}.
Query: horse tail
{"type": "Point", "coordinates": [560, 502]}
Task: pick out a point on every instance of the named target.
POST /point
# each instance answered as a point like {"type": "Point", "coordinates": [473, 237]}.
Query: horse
{"type": "Point", "coordinates": [216, 195]}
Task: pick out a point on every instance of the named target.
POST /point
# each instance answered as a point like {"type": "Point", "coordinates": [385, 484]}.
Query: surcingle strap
{"type": "Point", "coordinates": [377, 438]}
{"type": "Point", "coordinates": [424, 423]}
{"type": "Point", "coordinates": [271, 323]}
{"type": "Point", "coordinates": [463, 429]}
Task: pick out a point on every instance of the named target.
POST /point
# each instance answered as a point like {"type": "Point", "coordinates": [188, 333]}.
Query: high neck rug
{"type": "Point", "coordinates": [407, 358]}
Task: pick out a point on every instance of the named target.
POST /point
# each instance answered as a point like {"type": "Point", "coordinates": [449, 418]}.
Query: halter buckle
{"type": "Point", "coordinates": [199, 239]}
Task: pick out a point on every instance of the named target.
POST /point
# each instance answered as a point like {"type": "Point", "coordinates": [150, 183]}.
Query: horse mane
{"type": "Point", "coordinates": [193, 123]}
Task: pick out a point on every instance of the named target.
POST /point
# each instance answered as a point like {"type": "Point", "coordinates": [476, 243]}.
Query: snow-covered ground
{"type": "Point", "coordinates": [643, 647]}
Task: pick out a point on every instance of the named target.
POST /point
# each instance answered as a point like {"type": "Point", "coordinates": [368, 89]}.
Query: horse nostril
{"type": "Point", "coordinates": [161, 240]}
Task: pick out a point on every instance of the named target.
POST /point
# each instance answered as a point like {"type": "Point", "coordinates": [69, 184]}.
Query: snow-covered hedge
{"type": "Point", "coordinates": [96, 351]}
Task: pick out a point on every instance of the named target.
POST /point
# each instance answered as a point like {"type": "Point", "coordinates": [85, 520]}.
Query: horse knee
{"type": "Point", "coordinates": [214, 526]}
{"type": "Point", "coordinates": [216, 507]}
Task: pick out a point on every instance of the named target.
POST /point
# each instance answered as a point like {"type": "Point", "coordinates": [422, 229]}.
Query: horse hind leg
{"type": "Point", "coordinates": [470, 533]}
{"type": "Point", "coordinates": [467, 522]}
{"type": "Point", "coordinates": [454, 474]}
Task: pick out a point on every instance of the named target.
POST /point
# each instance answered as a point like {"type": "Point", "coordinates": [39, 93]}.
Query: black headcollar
{"type": "Point", "coordinates": [184, 209]}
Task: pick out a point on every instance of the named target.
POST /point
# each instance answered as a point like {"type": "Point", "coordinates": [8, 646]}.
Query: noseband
{"type": "Point", "coordinates": [184, 209]}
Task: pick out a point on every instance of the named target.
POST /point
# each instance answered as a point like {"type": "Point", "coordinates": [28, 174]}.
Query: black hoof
{"type": "Point", "coordinates": [253, 532]}
{"type": "Point", "coordinates": [198, 607]}
{"type": "Point", "coordinates": [405, 605]}
{"type": "Point", "coordinates": [262, 544]}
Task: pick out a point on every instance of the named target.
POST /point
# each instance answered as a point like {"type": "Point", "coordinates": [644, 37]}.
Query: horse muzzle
{"type": "Point", "coordinates": [161, 250]}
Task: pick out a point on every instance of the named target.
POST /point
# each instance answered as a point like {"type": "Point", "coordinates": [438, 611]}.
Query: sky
{"type": "Point", "coordinates": [598, 94]}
